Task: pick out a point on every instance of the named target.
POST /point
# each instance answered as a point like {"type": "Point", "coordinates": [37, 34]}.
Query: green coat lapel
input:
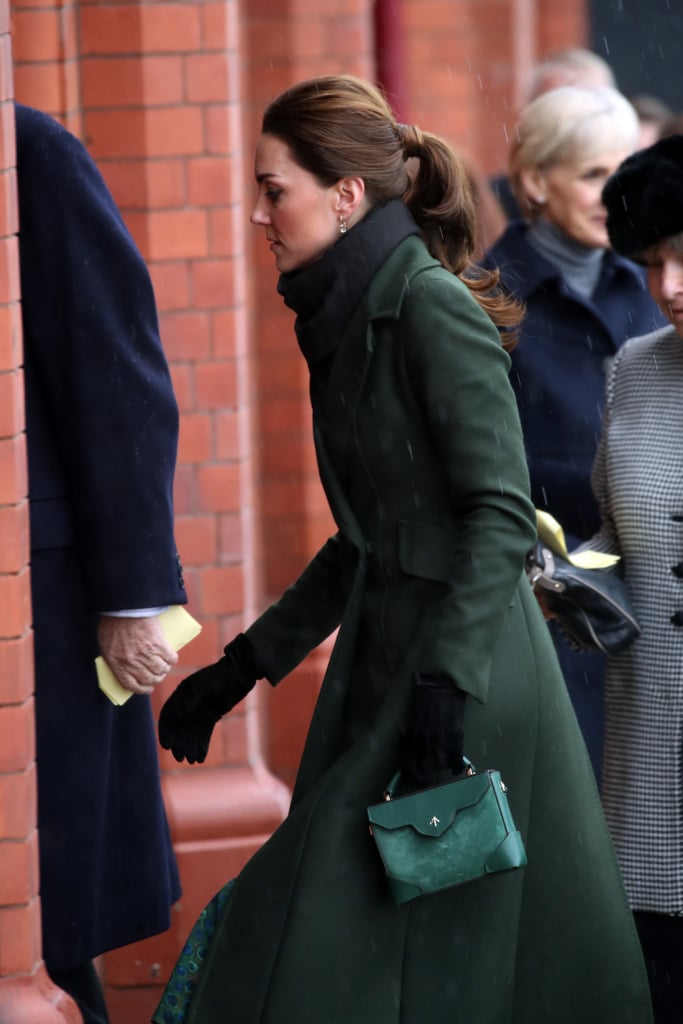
{"type": "Point", "coordinates": [350, 367]}
{"type": "Point", "coordinates": [343, 392]}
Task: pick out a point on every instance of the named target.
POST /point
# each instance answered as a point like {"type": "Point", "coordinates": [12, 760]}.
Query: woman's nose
{"type": "Point", "coordinates": [257, 215]}
{"type": "Point", "coordinates": [672, 278]}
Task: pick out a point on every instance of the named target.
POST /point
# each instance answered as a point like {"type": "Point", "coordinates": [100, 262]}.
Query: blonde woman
{"type": "Point", "coordinates": [582, 302]}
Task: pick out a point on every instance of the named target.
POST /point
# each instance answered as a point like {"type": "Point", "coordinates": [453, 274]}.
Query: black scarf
{"type": "Point", "coordinates": [325, 294]}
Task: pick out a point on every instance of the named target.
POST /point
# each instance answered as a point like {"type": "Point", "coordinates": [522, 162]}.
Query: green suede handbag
{"type": "Point", "coordinates": [446, 835]}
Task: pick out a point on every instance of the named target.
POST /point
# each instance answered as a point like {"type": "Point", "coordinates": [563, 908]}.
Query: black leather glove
{"type": "Point", "coordinates": [187, 718]}
{"type": "Point", "coordinates": [432, 744]}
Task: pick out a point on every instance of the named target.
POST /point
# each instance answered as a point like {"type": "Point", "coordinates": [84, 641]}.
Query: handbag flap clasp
{"type": "Point", "coordinates": [431, 811]}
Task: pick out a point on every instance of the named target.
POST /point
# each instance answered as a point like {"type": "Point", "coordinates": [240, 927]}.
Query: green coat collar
{"type": "Point", "coordinates": [391, 282]}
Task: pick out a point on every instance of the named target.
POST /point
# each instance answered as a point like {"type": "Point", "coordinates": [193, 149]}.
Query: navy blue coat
{"type": "Point", "coordinates": [558, 375]}
{"type": "Point", "coordinates": [102, 429]}
{"type": "Point", "coordinates": [558, 369]}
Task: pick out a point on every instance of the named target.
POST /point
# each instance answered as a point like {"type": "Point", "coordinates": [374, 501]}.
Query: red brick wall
{"type": "Point", "coordinates": [467, 65]}
{"type": "Point", "coordinates": [25, 992]}
{"type": "Point", "coordinates": [285, 42]}
{"type": "Point", "coordinates": [18, 877]}
{"type": "Point", "coordinates": [168, 96]}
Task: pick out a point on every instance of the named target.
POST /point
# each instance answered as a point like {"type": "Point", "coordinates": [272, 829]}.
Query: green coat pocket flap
{"type": "Point", "coordinates": [427, 551]}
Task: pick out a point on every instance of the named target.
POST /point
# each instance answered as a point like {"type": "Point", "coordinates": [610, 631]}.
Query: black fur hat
{"type": "Point", "coordinates": [644, 197]}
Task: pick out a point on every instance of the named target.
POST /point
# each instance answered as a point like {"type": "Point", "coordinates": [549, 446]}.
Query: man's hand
{"type": "Point", "coordinates": [136, 650]}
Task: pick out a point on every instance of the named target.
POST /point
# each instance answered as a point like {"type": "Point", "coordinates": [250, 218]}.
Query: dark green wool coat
{"type": "Point", "coordinates": [421, 457]}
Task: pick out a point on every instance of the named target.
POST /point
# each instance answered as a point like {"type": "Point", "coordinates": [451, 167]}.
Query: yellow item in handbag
{"type": "Point", "coordinates": [551, 534]}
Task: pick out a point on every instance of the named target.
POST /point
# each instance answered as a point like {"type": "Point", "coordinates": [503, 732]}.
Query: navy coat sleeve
{"type": "Point", "coordinates": [102, 420]}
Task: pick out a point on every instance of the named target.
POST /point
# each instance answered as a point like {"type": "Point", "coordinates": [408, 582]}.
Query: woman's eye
{"type": "Point", "coordinates": [273, 194]}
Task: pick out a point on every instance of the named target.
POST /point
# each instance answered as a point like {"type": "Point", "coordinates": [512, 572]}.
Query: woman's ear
{"type": "Point", "coordinates": [532, 180]}
{"type": "Point", "coordinates": [350, 199]}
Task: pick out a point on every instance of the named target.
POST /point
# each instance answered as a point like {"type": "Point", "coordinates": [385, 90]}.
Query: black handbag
{"type": "Point", "coordinates": [445, 835]}
{"type": "Point", "coordinates": [591, 606]}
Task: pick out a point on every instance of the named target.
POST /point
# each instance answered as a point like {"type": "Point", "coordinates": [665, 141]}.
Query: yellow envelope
{"type": "Point", "coordinates": [179, 627]}
{"type": "Point", "coordinates": [552, 534]}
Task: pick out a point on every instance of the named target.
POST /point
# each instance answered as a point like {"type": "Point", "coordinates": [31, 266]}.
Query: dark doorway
{"type": "Point", "coordinates": [643, 42]}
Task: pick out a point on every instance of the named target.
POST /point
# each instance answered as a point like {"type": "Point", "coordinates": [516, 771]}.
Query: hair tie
{"type": "Point", "coordinates": [410, 138]}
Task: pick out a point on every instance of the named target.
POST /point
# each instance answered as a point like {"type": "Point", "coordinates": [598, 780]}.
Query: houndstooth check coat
{"type": "Point", "coordinates": [638, 481]}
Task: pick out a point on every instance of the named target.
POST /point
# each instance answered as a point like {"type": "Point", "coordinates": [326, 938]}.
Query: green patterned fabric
{"type": "Point", "coordinates": [175, 1002]}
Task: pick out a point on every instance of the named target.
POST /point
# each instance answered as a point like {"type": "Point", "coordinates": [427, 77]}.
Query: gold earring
{"type": "Point", "coordinates": [343, 227]}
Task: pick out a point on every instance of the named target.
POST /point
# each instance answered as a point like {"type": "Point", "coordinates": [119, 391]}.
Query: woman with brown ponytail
{"type": "Point", "coordinates": [441, 651]}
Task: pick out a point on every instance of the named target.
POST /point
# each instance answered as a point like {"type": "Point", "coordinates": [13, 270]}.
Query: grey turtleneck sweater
{"type": "Point", "coordinates": [578, 264]}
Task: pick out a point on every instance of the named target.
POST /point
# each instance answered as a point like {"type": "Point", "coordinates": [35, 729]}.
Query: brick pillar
{"type": "Point", "coordinates": [563, 25]}
{"type": "Point", "coordinates": [467, 64]}
{"type": "Point", "coordinates": [26, 993]}
{"type": "Point", "coordinates": [44, 41]}
{"type": "Point", "coordinates": [284, 43]}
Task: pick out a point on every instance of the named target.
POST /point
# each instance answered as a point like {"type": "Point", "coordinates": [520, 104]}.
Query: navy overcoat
{"type": "Point", "coordinates": [558, 375]}
{"type": "Point", "coordinates": [101, 425]}
{"type": "Point", "coordinates": [559, 369]}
